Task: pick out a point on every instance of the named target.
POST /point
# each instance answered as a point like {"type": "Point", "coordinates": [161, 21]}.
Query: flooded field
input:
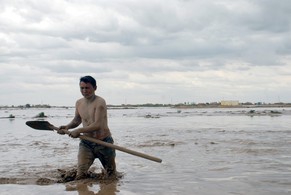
{"type": "Point", "coordinates": [204, 151]}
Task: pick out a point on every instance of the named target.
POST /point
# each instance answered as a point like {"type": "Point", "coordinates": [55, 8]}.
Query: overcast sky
{"type": "Point", "coordinates": [145, 51]}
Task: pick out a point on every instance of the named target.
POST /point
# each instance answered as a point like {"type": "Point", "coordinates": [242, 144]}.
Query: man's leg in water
{"type": "Point", "coordinates": [107, 157]}
{"type": "Point", "coordinates": [109, 165]}
{"type": "Point", "coordinates": [85, 160]}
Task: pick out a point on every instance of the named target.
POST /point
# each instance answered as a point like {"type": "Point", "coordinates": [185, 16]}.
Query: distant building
{"type": "Point", "coordinates": [229, 103]}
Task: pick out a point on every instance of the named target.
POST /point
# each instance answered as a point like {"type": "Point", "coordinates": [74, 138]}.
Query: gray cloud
{"type": "Point", "coordinates": [147, 49]}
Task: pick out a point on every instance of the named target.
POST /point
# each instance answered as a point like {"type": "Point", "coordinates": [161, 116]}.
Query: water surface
{"type": "Point", "coordinates": [204, 151]}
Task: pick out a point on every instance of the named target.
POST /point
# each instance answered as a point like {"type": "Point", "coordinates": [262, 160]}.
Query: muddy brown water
{"type": "Point", "coordinates": [204, 151]}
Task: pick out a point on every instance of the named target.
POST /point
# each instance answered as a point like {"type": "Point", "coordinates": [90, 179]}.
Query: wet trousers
{"type": "Point", "coordinates": [89, 151]}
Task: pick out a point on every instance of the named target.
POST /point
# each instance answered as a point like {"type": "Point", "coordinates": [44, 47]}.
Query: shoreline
{"type": "Point", "coordinates": [151, 105]}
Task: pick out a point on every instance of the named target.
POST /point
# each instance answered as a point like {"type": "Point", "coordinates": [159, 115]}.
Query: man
{"type": "Point", "coordinates": [91, 111]}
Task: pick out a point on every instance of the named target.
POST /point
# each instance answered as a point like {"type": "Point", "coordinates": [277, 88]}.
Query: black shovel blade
{"type": "Point", "coordinates": [40, 125]}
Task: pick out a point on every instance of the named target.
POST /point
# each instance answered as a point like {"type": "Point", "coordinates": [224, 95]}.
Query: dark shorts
{"type": "Point", "coordinates": [99, 150]}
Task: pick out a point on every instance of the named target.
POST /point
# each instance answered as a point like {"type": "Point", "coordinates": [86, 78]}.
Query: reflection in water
{"type": "Point", "coordinates": [109, 188]}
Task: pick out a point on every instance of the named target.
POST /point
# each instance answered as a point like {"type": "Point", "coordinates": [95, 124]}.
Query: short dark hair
{"type": "Point", "coordinates": [88, 79]}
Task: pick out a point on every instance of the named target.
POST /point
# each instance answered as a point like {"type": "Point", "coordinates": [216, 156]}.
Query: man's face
{"type": "Point", "coordinates": [87, 89]}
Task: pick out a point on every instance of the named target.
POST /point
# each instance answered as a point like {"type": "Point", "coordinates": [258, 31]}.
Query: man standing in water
{"type": "Point", "coordinates": [91, 111]}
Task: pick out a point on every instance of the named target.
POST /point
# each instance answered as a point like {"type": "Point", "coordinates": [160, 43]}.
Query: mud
{"type": "Point", "coordinates": [66, 176]}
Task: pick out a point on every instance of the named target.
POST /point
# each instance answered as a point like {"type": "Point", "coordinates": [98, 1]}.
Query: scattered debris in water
{"type": "Point", "coordinates": [41, 115]}
{"type": "Point", "coordinates": [264, 113]}
{"type": "Point", "coordinates": [275, 112]}
{"type": "Point", "coordinates": [11, 116]}
{"type": "Point", "coordinates": [152, 116]}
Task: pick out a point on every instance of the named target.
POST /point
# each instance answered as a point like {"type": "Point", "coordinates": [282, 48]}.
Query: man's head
{"type": "Point", "coordinates": [87, 86]}
{"type": "Point", "coordinates": [89, 79]}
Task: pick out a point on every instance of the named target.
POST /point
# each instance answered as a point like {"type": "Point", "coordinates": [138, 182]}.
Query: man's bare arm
{"type": "Point", "coordinates": [73, 124]}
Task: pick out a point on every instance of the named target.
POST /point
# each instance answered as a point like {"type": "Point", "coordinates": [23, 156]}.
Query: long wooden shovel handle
{"type": "Point", "coordinates": [109, 145]}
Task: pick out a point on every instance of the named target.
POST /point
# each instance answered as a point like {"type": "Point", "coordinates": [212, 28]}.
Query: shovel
{"type": "Point", "coordinates": [45, 125]}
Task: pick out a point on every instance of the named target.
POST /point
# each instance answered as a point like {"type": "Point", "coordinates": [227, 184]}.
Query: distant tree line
{"type": "Point", "coordinates": [184, 104]}
{"type": "Point", "coordinates": [28, 106]}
